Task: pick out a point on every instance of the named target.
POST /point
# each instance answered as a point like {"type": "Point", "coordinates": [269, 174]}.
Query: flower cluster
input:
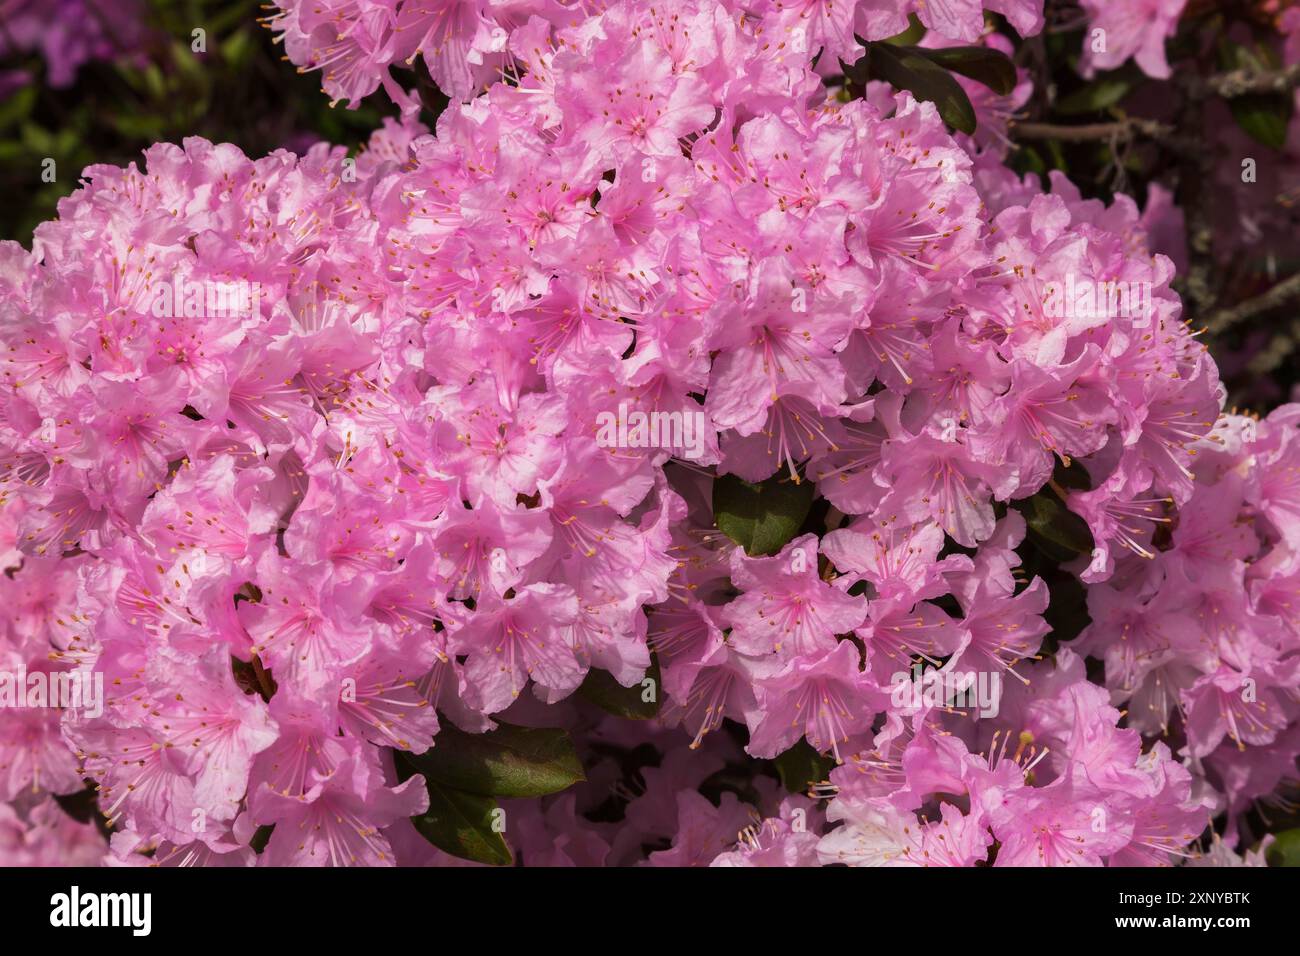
{"type": "Point", "coordinates": [314, 459]}
{"type": "Point", "coordinates": [467, 45]}
{"type": "Point", "coordinates": [1199, 629]}
{"type": "Point", "coordinates": [67, 34]}
{"type": "Point", "coordinates": [1137, 29]}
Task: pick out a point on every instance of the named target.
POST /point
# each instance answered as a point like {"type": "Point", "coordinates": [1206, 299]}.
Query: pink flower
{"type": "Point", "coordinates": [784, 840]}
{"type": "Point", "coordinates": [825, 698]}
{"type": "Point", "coordinates": [339, 820]}
{"type": "Point", "coordinates": [1057, 825]}
{"type": "Point", "coordinates": [785, 609]}
{"type": "Point", "coordinates": [508, 641]}
{"type": "Point", "coordinates": [453, 425]}
{"type": "Point", "coordinates": [1117, 31]}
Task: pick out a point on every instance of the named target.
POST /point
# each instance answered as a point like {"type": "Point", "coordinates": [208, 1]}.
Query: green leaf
{"type": "Point", "coordinates": [1028, 159]}
{"type": "Point", "coordinates": [225, 19]}
{"type": "Point", "coordinates": [17, 107]}
{"type": "Point", "coordinates": [1053, 528]}
{"type": "Point", "coordinates": [762, 517]}
{"type": "Point", "coordinates": [155, 83]}
{"type": "Point", "coordinates": [1285, 849]}
{"type": "Point", "coordinates": [1096, 97]}
{"type": "Point", "coordinates": [236, 47]}
{"type": "Point", "coordinates": [1073, 477]}
{"type": "Point", "coordinates": [801, 766]}
{"type": "Point", "coordinates": [460, 823]}
{"type": "Point", "coordinates": [609, 695]}
{"type": "Point", "coordinates": [507, 762]}
{"type": "Point", "coordinates": [261, 837]}
{"type": "Point", "coordinates": [1263, 117]}
{"type": "Point", "coordinates": [983, 64]}
{"type": "Point", "coordinates": [913, 35]}
{"type": "Point", "coordinates": [133, 126]}
{"type": "Point", "coordinates": [905, 69]}
{"type": "Point", "coordinates": [1067, 608]}
{"type": "Point", "coordinates": [188, 63]}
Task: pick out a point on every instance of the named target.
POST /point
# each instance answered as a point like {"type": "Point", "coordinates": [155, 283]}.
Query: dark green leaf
{"type": "Point", "coordinates": [1285, 849]}
{"type": "Point", "coordinates": [1097, 96]}
{"type": "Point", "coordinates": [762, 517]}
{"type": "Point", "coordinates": [1067, 610]}
{"type": "Point", "coordinates": [17, 107]}
{"type": "Point", "coordinates": [507, 762]}
{"type": "Point", "coordinates": [461, 824]}
{"type": "Point", "coordinates": [912, 35]}
{"type": "Point", "coordinates": [1263, 117]}
{"type": "Point", "coordinates": [1073, 477]}
{"type": "Point", "coordinates": [609, 695]}
{"type": "Point", "coordinates": [801, 766]}
{"type": "Point", "coordinates": [261, 837]}
{"type": "Point", "coordinates": [983, 64]}
{"type": "Point", "coordinates": [905, 69]}
{"type": "Point", "coordinates": [1028, 159]}
{"type": "Point", "coordinates": [1053, 528]}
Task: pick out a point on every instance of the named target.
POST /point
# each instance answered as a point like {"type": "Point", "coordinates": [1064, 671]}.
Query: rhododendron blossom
{"type": "Point", "coordinates": [377, 510]}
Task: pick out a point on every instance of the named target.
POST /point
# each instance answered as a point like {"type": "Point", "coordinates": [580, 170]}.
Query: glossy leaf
{"type": "Point", "coordinates": [509, 761]}
{"type": "Point", "coordinates": [761, 517]}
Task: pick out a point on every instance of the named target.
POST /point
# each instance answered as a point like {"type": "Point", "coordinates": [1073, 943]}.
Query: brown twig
{"type": "Point", "coordinates": [1195, 165]}
{"type": "Point", "coordinates": [1278, 295]}
{"type": "Point", "coordinates": [1116, 131]}
{"type": "Point", "coordinates": [1277, 350]}
{"type": "Point", "coordinates": [1247, 81]}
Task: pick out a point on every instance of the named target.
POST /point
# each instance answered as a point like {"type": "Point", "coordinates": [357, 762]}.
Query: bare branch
{"type": "Point", "coordinates": [1117, 131]}
{"type": "Point", "coordinates": [1244, 82]}
{"type": "Point", "coordinates": [1278, 295]}
{"type": "Point", "coordinates": [1278, 349]}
